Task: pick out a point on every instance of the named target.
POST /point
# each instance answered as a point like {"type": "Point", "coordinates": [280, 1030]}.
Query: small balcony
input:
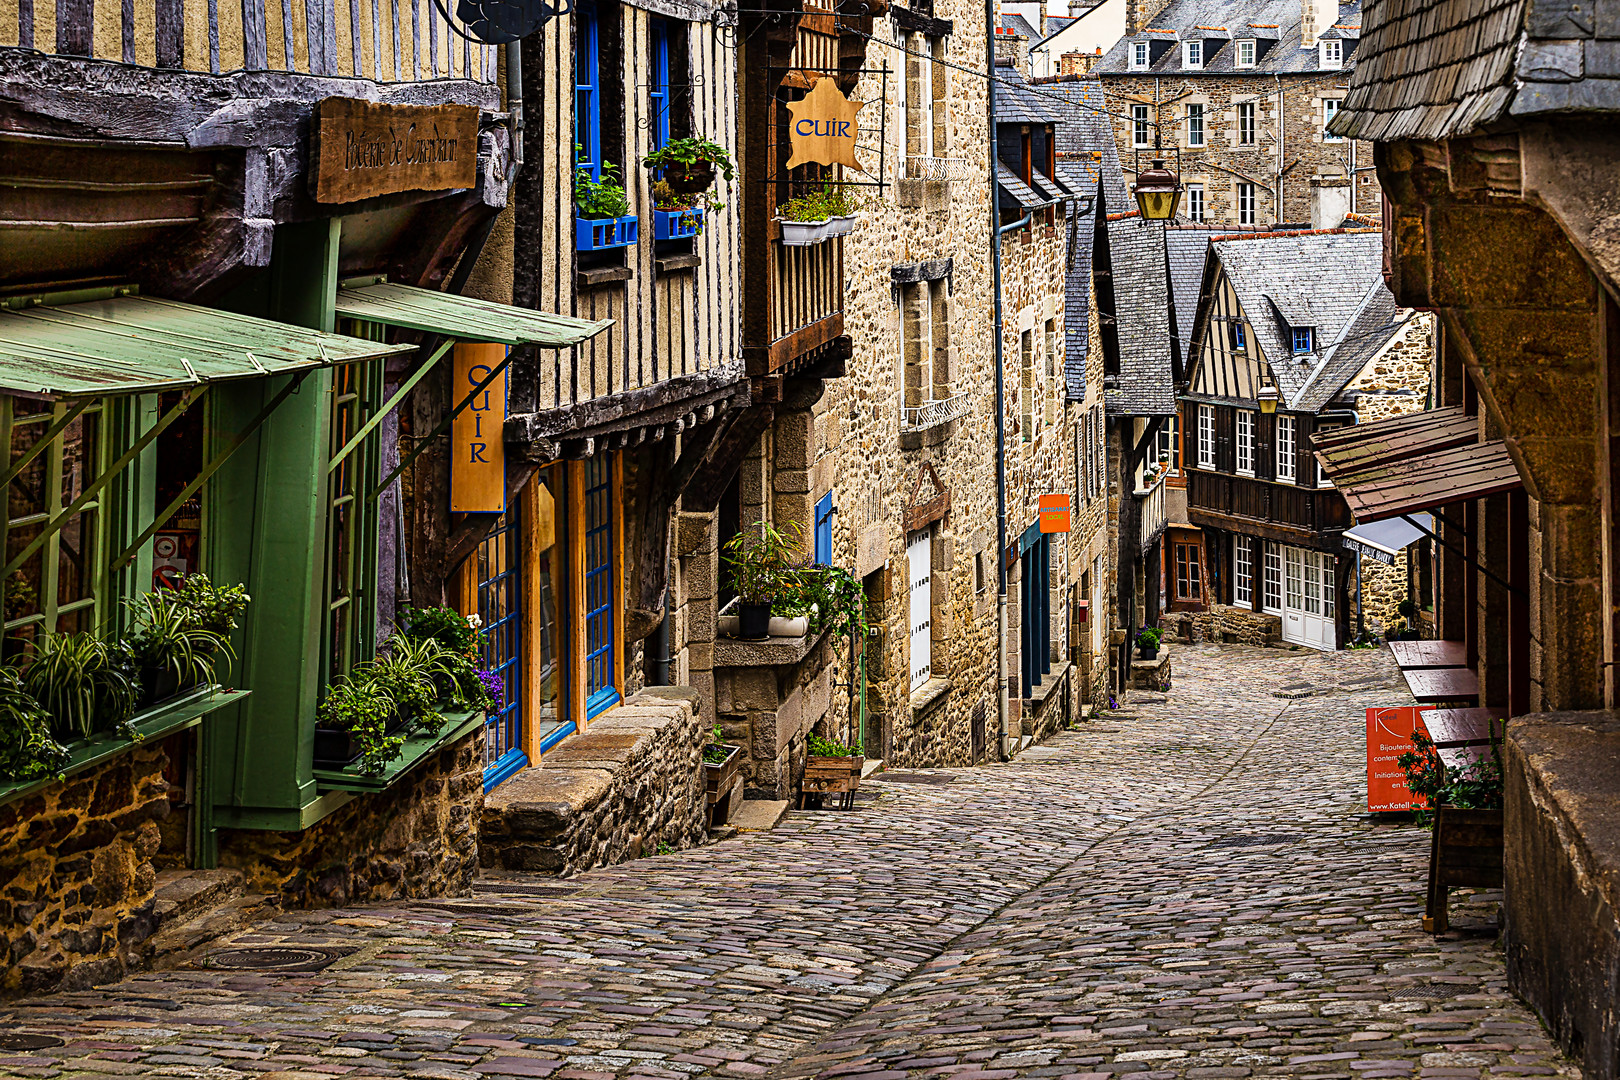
{"type": "Point", "coordinates": [805, 306]}
{"type": "Point", "coordinates": [1282, 511]}
{"type": "Point", "coordinates": [1155, 511]}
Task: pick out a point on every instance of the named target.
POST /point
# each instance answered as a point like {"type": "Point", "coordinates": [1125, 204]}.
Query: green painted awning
{"type": "Point", "coordinates": [130, 344]}
{"type": "Point", "coordinates": [461, 316]}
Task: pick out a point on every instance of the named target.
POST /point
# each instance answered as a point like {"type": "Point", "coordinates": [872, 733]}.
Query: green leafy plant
{"type": "Point", "coordinates": [449, 627]}
{"type": "Point", "coordinates": [764, 561]}
{"type": "Point", "coordinates": [716, 753]}
{"type": "Point", "coordinates": [86, 684]}
{"type": "Point", "coordinates": [164, 638]}
{"type": "Point", "coordinates": [28, 751]}
{"type": "Point", "coordinates": [832, 596]}
{"type": "Point", "coordinates": [1408, 609]}
{"type": "Point", "coordinates": [1149, 637]}
{"type": "Point", "coordinates": [831, 201]}
{"type": "Point", "coordinates": [207, 606]}
{"type": "Point", "coordinates": [665, 197]}
{"type": "Point", "coordinates": [600, 198]}
{"type": "Point", "coordinates": [1475, 786]}
{"type": "Point", "coordinates": [690, 151]}
{"type": "Point", "coordinates": [358, 705]}
{"type": "Point", "coordinates": [408, 686]}
{"type": "Point", "coordinates": [819, 747]}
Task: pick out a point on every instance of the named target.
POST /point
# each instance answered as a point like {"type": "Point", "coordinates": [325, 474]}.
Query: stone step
{"type": "Point", "coordinates": [180, 893]}
{"type": "Point", "coordinates": [870, 766]}
{"type": "Point", "coordinates": [759, 815]}
{"type": "Point", "coordinates": [175, 941]}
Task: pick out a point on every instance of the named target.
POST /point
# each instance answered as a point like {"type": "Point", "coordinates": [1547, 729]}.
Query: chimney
{"type": "Point", "coordinates": [1040, 27]}
{"type": "Point", "coordinates": [1330, 201]}
{"type": "Point", "coordinates": [1315, 18]}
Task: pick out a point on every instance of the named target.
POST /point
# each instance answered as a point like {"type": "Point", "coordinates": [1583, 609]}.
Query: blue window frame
{"type": "Point", "coordinates": [658, 95]}
{"type": "Point", "coordinates": [552, 596]}
{"type": "Point", "coordinates": [824, 510]}
{"type": "Point", "coordinates": [1035, 595]}
{"type": "Point", "coordinates": [1240, 340]}
{"type": "Point", "coordinates": [601, 673]}
{"type": "Point", "coordinates": [500, 605]}
{"type": "Point", "coordinates": [587, 91]}
{"type": "Point", "coordinates": [1302, 339]}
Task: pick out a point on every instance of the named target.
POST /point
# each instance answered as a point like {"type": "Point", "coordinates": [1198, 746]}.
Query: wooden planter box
{"type": "Point", "coordinates": [831, 775]}
{"type": "Point", "coordinates": [1465, 849]}
{"type": "Point", "coordinates": [722, 786]}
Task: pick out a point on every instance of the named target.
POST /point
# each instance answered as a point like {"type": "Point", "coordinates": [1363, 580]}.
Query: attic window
{"type": "Point", "coordinates": [1192, 54]}
{"type": "Point", "coordinates": [1304, 339]}
{"type": "Point", "coordinates": [1245, 53]}
{"type": "Point", "coordinates": [1330, 54]}
{"type": "Point", "coordinates": [1139, 55]}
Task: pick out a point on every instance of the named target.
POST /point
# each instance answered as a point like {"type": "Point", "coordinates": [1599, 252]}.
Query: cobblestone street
{"type": "Point", "coordinates": [1189, 887]}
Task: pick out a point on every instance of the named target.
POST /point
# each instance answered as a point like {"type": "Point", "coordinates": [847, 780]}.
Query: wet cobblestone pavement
{"type": "Point", "coordinates": [1186, 888]}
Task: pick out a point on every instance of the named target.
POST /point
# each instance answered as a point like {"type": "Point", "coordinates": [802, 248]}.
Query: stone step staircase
{"type": "Point", "coordinates": [195, 907]}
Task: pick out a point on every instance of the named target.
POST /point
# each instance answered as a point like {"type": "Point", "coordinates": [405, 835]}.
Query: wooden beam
{"type": "Point", "coordinates": [703, 492]}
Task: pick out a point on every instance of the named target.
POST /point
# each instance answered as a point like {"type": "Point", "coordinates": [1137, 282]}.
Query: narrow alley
{"type": "Point", "coordinates": [1187, 887]}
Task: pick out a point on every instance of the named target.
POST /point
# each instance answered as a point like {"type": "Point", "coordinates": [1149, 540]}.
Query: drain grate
{"type": "Point", "coordinates": [1423, 992]}
{"type": "Point", "coordinates": [275, 958]}
{"type": "Point", "coordinates": [915, 777]}
{"type": "Point", "coordinates": [1255, 840]}
{"type": "Point", "coordinates": [28, 1042]}
{"type": "Point", "coordinates": [493, 889]}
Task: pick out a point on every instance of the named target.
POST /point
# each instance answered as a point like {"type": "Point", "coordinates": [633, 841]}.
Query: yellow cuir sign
{"type": "Point", "coordinates": [823, 127]}
{"type": "Point", "coordinates": [478, 453]}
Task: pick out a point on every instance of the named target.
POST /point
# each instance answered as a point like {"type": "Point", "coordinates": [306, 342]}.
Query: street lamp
{"type": "Point", "coordinates": [1157, 192]}
{"type": "Point", "coordinates": [1268, 399]}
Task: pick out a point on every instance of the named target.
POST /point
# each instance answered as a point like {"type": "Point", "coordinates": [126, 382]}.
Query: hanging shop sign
{"type": "Point", "coordinates": [930, 500]}
{"type": "Point", "coordinates": [1389, 735]}
{"type": "Point", "coordinates": [364, 148]}
{"type": "Point", "coordinates": [822, 127]}
{"type": "Point", "coordinates": [478, 461]}
{"type": "Point", "coordinates": [1054, 511]}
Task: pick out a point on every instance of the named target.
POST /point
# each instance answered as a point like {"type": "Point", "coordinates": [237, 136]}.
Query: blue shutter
{"type": "Point", "coordinates": [587, 92]}
{"type": "Point", "coordinates": [824, 510]}
{"type": "Point", "coordinates": [659, 95]}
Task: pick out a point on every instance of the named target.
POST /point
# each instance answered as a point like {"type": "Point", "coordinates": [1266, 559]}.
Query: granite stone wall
{"type": "Point", "coordinates": [771, 696]}
{"type": "Point", "coordinates": [1397, 380]}
{"type": "Point", "coordinates": [417, 838]}
{"type": "Point", "coordinates": [1236, 625]}
{"type": "Point", "coordinates": [632, 782]}
{"type": "Point", "coordinates": [76, 875]}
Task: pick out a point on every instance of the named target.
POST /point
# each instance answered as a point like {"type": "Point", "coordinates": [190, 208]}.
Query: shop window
{"type": "Point", "coordinates": [351, 517]}
{"type": "Point", "coordinates": [499, 569]}
{"type": "Point", "coordinates": [1189, 573]}
{"type": "Point", "coordinates": [1035, 596]}
{"type": "Point", "coordinates": [1285, 448]}
{"type": "Point", "coordinates": [1243, 571]}
{"type": "Point", "coordinates": [548, 537]}
{"type": "Point", "coordinates": [600, 547]}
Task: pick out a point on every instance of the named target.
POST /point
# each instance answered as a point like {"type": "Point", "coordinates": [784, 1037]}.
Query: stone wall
{"type": "Point", "coordinates": [417, 838]}
{"type": "Point", "coordinates": [771, 696]}
{"type": "Point", "coordinates": [632, 782]}
{"type": "Point", "coordinates": [1383, 587]}
{"type": "Point", "coordinates": [1396, 381]}
{"type": "Point", "coordinates": [1237, 625]}
{"type": "Point", "coordinates": [76, 876]}
{"type": "Point", "coordinates": [1222, 164]}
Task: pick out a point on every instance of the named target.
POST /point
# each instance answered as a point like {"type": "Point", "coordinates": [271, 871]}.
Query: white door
{"type": "Point", "coordinates": [919, 556]}
{"type": "Point", "coordinates": [1308, 609]}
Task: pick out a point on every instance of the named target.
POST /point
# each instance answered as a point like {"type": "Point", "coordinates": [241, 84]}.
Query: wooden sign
{"type": "Point", "coordinates": [930, 500]}
{"type": "Point", "coordinates": [478, 452]}
{"type": "Point", "coordinates": [1054, 512]}
{"type": "Point", "coordinates": [363, 148]}
{"type": "Point", "coordinates": [1389, 735]}
{"type": "Point", "coordinates": [823, 127]}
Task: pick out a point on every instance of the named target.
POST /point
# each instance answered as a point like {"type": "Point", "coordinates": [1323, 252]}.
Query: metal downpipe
{"type": "Point", "coordinates": [1003, 701]}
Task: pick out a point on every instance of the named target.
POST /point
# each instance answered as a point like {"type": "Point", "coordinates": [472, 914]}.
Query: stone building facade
{"type": "Point", "coordinates": [1238, 95]}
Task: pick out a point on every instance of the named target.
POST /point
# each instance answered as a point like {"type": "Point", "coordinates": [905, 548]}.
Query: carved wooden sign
{"type": "Point", "coordinates": [930, 500]}
{"type": "Point", "coordinates": [363, 148]}
{"type": "Point", "coordinates": [822, 128]}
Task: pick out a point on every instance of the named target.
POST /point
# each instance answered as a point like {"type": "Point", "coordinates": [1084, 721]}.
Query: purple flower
{"type": "Point", "coordinates": [494, 687]}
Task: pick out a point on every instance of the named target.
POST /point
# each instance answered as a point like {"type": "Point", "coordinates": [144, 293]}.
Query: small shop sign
{"type": "Point", "coordinates": [1055, 515]}
{"type": "Point", "coordinates": [1389, 735]}
{"type": "Point", "coordinates": [822, 127]}
{"type": "Point", "coordinates": [365, 148]}
{"type": "Point", "coordinates": [478, 461]}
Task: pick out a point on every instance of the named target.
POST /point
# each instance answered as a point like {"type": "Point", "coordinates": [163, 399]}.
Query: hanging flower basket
{"type": "Point", "coordinates": [689, 179]}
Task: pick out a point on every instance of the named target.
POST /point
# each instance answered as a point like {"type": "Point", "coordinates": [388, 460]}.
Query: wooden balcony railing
{"type": "Point", "coordinates": [368, 39]}
{"type": "Point", "coordinates": [1306, 510]}
{"type": "Point", "coordinates": [805, 303]}
{"type": "Point", "coordinates": [1154, 516]}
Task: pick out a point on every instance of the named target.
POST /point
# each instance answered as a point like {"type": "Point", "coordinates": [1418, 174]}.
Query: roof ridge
{"type": "Point", "coordinates": [1278, 233]}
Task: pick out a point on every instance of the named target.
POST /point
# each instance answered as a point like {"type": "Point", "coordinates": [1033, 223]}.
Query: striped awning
{"type": "Point", "coordinates": [464, 317]}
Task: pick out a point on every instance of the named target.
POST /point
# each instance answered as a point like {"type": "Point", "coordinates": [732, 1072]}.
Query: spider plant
{"type": "Point", "coordinates": [357, 705]}
{"type": "Point", "coordinates": [409, 684]}
{"type": "Point", "coordinates": [87, 685]}
{"type": "Point", "coordinates": [453, 674]}
{"type": "Point", "coordinates": [27, 749]}
{"type": "Point", "coordinates": [166, 640]}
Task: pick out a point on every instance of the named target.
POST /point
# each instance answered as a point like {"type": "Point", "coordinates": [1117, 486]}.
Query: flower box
{"type": "Point", "coordinates": [677, 224]}
{"type": "Point", "coordinates": [601, 234]}
{"type": "Point", "coordinates": [805, 233]}
{"type": "Point", "coordinates": [831, 775]}
{"type": "Point", "coordinates": [729, 623]}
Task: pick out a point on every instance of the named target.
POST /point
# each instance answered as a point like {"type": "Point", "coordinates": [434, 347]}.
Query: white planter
{"type": "Point", "coordinates": [842, 226]}
{"type": "Point", "coordinates": [728, 625]}
{"type": "Point", "coordinates": [804, 233]}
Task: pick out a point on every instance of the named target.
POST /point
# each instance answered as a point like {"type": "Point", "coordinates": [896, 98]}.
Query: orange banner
{"type": "Point", "coordinates": [1389, 735]}
{"type": "Point", "coordinates": [478, 452]}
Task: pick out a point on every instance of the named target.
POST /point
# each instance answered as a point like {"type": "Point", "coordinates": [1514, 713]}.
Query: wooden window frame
{"type": "Point", "coordinates": [1243, 571]}
{"type": "Point", "coordinates": [349, 594]}
{"type": "Point", "coordinates": [589, 152]}
{"type": "Point", "coordinates": [1195, 203]}
{"type": "Point", "coordinates": [1247, 122]}
{"type": "Point", "coordinates": [1272, 573]}
{"type": "Point", "coordinates": [598, 694]}
{"type": "Point", "coordinates": [1247, 195]}
{"type": "Point", "coordinates": [1206, 436]}
{"type": "Point", "coordinates": [1195, 126]}
{"type": "Point", "coordinates": [1189, 575]}
{"type": "Point", "coordinates": [1244, 447]}
{"type": "Point", "coordinates": [1286, 450]}
{"type": "Point", "coordinates": [1252, 49]}
{"type": "Point", "coordinates": [1141, 136]}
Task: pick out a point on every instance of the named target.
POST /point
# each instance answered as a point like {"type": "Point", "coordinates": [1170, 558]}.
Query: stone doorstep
{"type": "Point", "coordinates": [759, 815]}
{"type": "Point", "coordinates": [870, 766]}
{"type": "Point", "coordinates": [182, 892]}
{"type": "Point", "coordinates": [177, 939]}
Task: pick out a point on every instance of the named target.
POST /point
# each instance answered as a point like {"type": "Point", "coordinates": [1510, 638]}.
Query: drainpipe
{"type": "Point", "coordinates": [1003, 702]}
{"type": "Point", "coordinates": [514, 106]}
{"type": "Point", "coordinates": [1282, 128]}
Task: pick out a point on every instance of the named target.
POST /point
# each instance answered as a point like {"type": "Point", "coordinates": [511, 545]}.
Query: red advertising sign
{"type": "Point", "coordinates": [1389, 735]}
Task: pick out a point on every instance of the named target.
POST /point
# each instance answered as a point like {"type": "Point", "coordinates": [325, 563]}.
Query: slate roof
{"type": "Point", "coordinates": [1146, 384]}
{"type": "Point", "coordinates": [1332, 278]}
{"type": "Point", "coordinates": [1186, 249]}
{"type": "Point", "coordinates": [1266, 20]}
{"type": "Point", "coordinates": [1437, 69]}
{"type": "Point", "coordinates": [1018, 102]}
{"type": "Point", "coordinates": [1015, 22]}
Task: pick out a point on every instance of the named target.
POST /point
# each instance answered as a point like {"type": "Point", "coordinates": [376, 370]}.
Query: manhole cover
{"type": "Point", "coordinates": [1424, 992]}
{"type": "Point", "coordinates": [274, 958]}
{"type": "Point", "coordinates": [915, 777]}
{"type": "Point", "coordinates": [528, 890]}
{"type": "Point", "coordinates": [1254, 840]}
{"type": "Point", "coordinates": [28, 1042]}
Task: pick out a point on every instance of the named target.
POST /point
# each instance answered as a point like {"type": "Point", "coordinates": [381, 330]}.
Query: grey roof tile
{"type": "Point", "coordinates": [1137, 254]}
{"type": "Point", "coordinates": [1269, 21]}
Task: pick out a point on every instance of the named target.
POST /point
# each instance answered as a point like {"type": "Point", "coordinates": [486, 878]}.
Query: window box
{"type": "Point", "coordinates": [155, 723]}
{"type": "Point", "coordinates": [729, 623]}
{"type": "Point", "coordinates": [416, 749]}
{"type": "Point", "coordinates": [677, 224]}
{"type": "Point", "coordinates": [805, 233]}
{"type": "Point", "coordinates": [601, 234]}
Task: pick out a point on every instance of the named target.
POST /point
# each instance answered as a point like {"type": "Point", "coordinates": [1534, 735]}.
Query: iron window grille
{"type": "Point", "coordinates": [931, 414]}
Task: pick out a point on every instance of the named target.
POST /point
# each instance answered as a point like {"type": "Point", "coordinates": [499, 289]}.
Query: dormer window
{"type": "Point", "coordinates": [1139, 56]}
{"type": "Point", "coordinates": [1330, 54]}
{"type": "Point", "coordinates": [1304, 339]}
{"type": "Point", "coordinates": [1192, 55]}
{"type": "Point", "coordinates": [1245, 53]}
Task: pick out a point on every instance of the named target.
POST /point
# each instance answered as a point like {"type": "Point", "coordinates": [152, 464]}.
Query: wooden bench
{"type": "Point", "coordinates": [1463, 727]}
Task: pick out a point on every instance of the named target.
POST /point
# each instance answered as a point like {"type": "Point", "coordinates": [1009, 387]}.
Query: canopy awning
{"type": "Point", "coordinates": [131, 344]}
{"type": "Point", "coordinates": [463, 317]}
{"type": "Point", "coordinates": [1383, 540]}
{"type": "Point", "coordinates": [1427, 481]}
{"type": "Point", "coordinates": [1346, 450]}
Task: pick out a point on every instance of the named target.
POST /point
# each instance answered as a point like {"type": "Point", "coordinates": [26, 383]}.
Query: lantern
{"type": "Point", "coordinates": [1157, 192]}
{"type": "Point", "coordinates": [1268, 399]}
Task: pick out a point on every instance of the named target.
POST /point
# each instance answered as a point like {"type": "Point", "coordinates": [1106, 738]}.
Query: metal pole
{"type": "Point", "coordinates": [1003, 702]}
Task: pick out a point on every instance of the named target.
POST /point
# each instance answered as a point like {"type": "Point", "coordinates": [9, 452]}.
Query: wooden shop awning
{"type": "Point", "coordinates": [1360, 447]}
{"type": "Point", "coordinates": [130, 344]}
{"type": "Point", "coordinates": [451, 315]}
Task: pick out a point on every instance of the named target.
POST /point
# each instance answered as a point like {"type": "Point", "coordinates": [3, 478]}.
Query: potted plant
{"type": "Point", "coordinates": [1463, 804]}
{"type": "Point", "coordinates": [351, 725]}
{"type": "Point", "coordinates": [721, 762]}
{"type": "Point", "coordinates": [172, 652]}
{"type": "Point", "coordinates": [87, 685]}
{"type": "Point", "coordinates": [678, 217]}
{"type": "Point", "coordinates": [688, 165]}
{"type": "Point", "coordinates": [604, 220]}
{"type": "Point", "coordinates": [762, 568]}
{"type": "Point", "coordinates": [817, 216]}
{"type": "Point", "coordinates": [28, 751]}
{"type": "Point", "coordinates": [1147, 643]}
{"type": "Point", "coordinates": [830, 767]}
{"type": "Point", "coordinates": [207, 606]}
